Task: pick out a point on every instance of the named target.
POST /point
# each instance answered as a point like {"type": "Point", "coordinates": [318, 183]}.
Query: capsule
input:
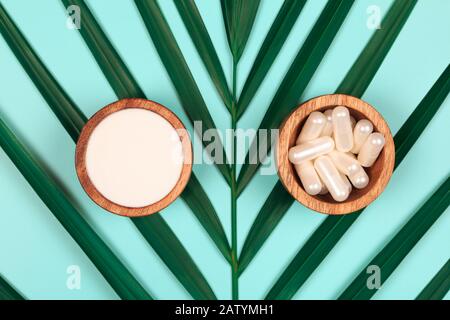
{"type": "Point", "coordinates": [328, 129]}
{"type": "Point", "coordinates": [312, 128]}
{"type": "Point", "coordinates": [371, 149]}
{"type": "Point", "coordinates": [359, 179]}
{"type": "Point", "coordinates": [345, 162]}
{"type": "Point", "coordinates": [360, 133]}
{"type": "Point", "coordinates": [331, 178]}
{"type": "Point", "coordinates": [311, 149]}
{"type": "Point", "coordinates": [347, 183]}
{"type": "Point", "coordinates": [309, 178]}
{"type": "Point", "coordinates": [324, 189]}
{"type": "Point", "coordinates": [342, 129]}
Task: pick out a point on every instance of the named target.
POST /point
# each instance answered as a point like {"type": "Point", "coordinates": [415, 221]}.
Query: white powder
{"type": "Point", "coordinates": [134, 157]}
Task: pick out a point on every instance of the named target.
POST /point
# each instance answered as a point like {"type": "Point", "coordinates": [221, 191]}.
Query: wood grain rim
{"type": "Point", "coordinates": [379, 173]}
{"type": "Point", "coordinates": [80, 157]}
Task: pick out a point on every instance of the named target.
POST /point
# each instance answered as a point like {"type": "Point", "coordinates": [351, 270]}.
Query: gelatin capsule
{"type": "Point", "coordinates": [359, 179]}
{"type": "Point", "coordinates": [309, 178]}
{"type": "Point", "coordinates": [342, 129]}
{"type": "Point", "coordinates": [362, 130]}
{"type": "Point", "coordinates": [345, 162]}
{"type": "Point", "coordinates": [331, 178]}
{"type": "Point", "coordinates": [347, 183]}
{"type": "Point", "coordinates": [324, 187]}
{"type": "Point", "coordinates": [328, 129]}
{"type": "Point", "coordinates": [312, 128]}
{"type": "Point", "coordinates": [371, 149]}
{"type": "Point", "coordinates": [311, 149]}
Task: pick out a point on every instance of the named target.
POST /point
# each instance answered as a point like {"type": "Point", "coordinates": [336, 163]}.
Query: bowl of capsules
{"type": "Point", "coordinates": [335, 154]}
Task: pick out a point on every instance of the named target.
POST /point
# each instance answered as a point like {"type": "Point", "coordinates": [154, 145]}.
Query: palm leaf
{"type": "Point", "coordinates": [275, 38]}
{"type": "Point", "coordinates": [112, 269]}
{"type": "Point", "coordinates": [438, 287]}
{"type": "Point", "coordinates": [379, 45]}
{"type": "Point", "coordinates": [48, 87]}
{"type": "Point", "coordinates": [206, 214]}
{"type": "Point", "coordinates": [160, 236]}
{"type": "Point", "coordinates": [407, 135]}
{"type": "Point", "coordinates": [271, 213]}
{"type": "Point", "coordinates": [355, 73]}
{"type": "Point", "coordinates": [333, 228]}
{"type": "Point", "coordinates": [7, 292]}
{"type": "Point", "coordinates": [124, 85]}
{"type": "Point", "coordinates": [310, 255]}
{"type": "Point", "coordinates": [115, 70]}
{"type": "Point", "coordinates": [396, 250]}
{"type": "Point", "coordinates": [238, 16]}
{"type": "Point", "coordinates": [178, 71]}
{"type": "Point", "coordinates": [296, 80]}
{"type": "Point", "coordinates": [199, 35]}
{"type": "Point", "coordinates": [62, 105]}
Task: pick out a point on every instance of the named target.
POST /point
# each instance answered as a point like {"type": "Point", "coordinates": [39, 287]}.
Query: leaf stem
{"type": "Point", "coordinates": [234, 259]}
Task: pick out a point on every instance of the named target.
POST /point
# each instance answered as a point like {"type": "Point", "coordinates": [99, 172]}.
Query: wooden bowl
{"type": "Point", "coordinates": [379, 174]}
{"type": "Point", "coordinates": [80, 157]}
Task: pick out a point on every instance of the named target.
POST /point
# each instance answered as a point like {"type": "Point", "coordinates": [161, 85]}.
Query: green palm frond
{"type": "Point", "coordinates": [275, 38]}
{"type": "Point", "coordinates": [62, 105]}
{"type": "Point", "coordinates": [296, 80]}
{"type": "Point", "coordinates": [64, 108]}
{"type": "Point", "coordinates": [402, 243]}
{"type": "Point", "coordinates": [369, 61]}
{"type": "Point", "coordinates": [114, 68]}
{"type": "Point", "coordinates": [311, 255]}
{"type": "Point", "coordinates": [376, 50]}
{"type": "Point", "coordinates": [438, 287]}
{"type": "Point", "coordinates": [7, 292]}
{"type": "Point", "coordinates": [112, 269]}
{"type": "Point", "coordinates": [239, 16]}
{"type": "Point", "coordinates": [178, 70]}
{"type": "Point", "coordinates": [117, 75]}
{"type": "Point", "coordinates": [197, 200]}
{"type": "Point", "coordinates": [197, 31]}
{"type": "Point", "coordinates": [271, 213]}
{"type": "Point", "coordinates": [333, 228]}
{"type": "Point", "coordinates": [158, 233]}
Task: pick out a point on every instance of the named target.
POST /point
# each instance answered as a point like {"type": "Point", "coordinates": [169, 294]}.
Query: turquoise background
{"type": "Point", "coordinates": [35, 250]}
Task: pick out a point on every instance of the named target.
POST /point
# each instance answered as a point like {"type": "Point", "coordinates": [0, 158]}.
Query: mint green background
{"type": "Point", "coordinates": [35, 250]}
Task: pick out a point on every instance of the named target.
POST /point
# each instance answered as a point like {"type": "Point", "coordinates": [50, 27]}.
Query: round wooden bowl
{"type": "Point", "coordinates": [379, 174]}
{"type": "Point", "coordinates": [80, 157]}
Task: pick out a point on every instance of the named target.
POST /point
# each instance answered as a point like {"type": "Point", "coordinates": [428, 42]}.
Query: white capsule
{"type": "Point", "coordinates": [347, 182]}
{"type": "Point", "coordinates": [311, 149]}
{"type": "Point", "coordinates": [360, 133]}
{"type": "Point", "coordinates": [345, 162]}
{"type": "Point", "coordinates": [312, 128]}
{"type": "Point", "coordinates": [324, 189]}
{"type": "Point", "coordinates": [309, 178]}
{"type": "Point", "coordinates": [359, 179]}
{"type": "Point", "coordinates": [331, 178]}
{"type": "Point", "coordinates": [342, 129]}
{"type": "Point", "coordinates": [371, 149]}
{"type": "Point", "coordinates": [328, 129]}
